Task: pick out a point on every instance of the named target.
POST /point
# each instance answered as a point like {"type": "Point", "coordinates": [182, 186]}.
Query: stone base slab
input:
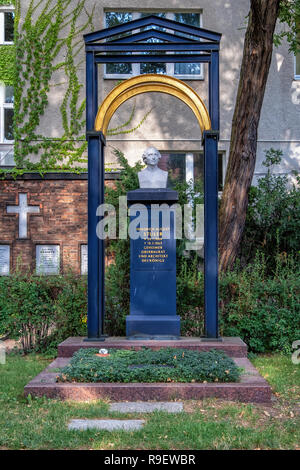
{"type": "Point", "coordinates": [251, 388]}
{"type": "Point", "coordinates": [233, 347]}
{"type": "Point", "coordinates": [106, 424]}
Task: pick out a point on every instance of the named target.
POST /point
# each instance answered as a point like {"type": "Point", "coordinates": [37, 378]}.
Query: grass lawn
{"type": "Point", "coordinates": [206, 424]}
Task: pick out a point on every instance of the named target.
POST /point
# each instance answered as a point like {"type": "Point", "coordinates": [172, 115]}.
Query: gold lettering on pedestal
{"type": "Point", "coordinates": [153, 251]}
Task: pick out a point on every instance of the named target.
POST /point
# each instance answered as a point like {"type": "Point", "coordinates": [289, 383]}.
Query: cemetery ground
{"type": "Point", "coordinates": [40, 423]}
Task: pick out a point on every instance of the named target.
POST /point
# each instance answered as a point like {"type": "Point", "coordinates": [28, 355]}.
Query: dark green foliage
{"type": "Point", "coordinates": [264, 310]}
{"type": "Point", "coordinates": [190, 295]}
{"type": "Point", "coordinates": [289, 14]}
{"type": "Point", "coordinates": [258, 302]}
{"type": "Point", "coordinates": [146, 365]}
{"type": "Point", "coordinates": [41, 311]}
{"type": "Point", "coordinates": [7, 64]}
{"type": "Point", "coordinates": [117, 290]}
{"type": "Point", "coordinates": [69, 309]}
{"type": "Point", "coordinates": [25, 309]}
{"type": "Point", "coordinates": [273, 216]}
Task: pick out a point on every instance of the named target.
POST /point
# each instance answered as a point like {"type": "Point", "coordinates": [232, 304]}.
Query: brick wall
{"type": "Point", "coordinates": [62, 219]}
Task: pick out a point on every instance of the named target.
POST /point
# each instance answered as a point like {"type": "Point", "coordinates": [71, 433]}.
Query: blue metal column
{"type": "Point", "coordinates": [210, 143]}
{"type": "Point", "coordinates": [214, 86]}
{"type": "Point", "coordinates": [96, 145]}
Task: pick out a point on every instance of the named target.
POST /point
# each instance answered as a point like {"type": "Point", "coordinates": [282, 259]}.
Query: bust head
{"type": "Point", "coordinates": [151, 156]}
{"type": "Point", "coordinates": [152, 176]}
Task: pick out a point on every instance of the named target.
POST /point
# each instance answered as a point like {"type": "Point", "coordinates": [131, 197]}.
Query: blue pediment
{"type": "Point", "coordinates": [176, 32]}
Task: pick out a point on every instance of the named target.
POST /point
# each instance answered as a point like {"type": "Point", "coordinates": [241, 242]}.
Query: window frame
{"type": "Point", "coordinates": [169, 67]}
{"type": "Point", "coordinates": [5, 9]}
{"type": "Point", "coordinates": [6, 146]}
{"type": "Point", "coordinates": [192, 153]}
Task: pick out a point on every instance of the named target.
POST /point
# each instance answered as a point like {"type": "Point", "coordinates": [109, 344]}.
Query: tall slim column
{"type": "Point", "coordinates": [96, 268]}
{"type": "Point", "coordinates": [210, 143]}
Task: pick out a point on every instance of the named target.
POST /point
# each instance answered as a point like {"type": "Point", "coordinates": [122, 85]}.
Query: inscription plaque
{"type": "Point", "coordinates": [4, 260]}
{"type": "Point", "coordinates": [83, 259]}
{"type": "Point", "coordinates": [47, 259]}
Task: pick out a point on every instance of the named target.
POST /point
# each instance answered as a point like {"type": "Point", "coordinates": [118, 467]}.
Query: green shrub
{"type": "Point", "coordinates": [26, 309]}
{"type": "Point", "coordinates": [263, 309]}
{"type": "Point", "coordinates": [190, 295]}
{"type": "Point", "coordinates": [273, 215]}
{"type": "Point", "coordinates": [146, 365]}
{"type": "Point", "coordinates": [41, 311]}
{"type": "Point", "coordinates": [69, 308]}
{"type": "Point", "coordinates": [258, 302]}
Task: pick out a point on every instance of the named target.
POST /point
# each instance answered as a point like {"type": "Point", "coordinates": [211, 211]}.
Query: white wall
{"type": "Point", "coordinates": [171, 125]}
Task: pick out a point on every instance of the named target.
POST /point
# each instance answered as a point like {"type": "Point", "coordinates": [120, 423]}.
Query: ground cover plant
{"type": "Point", "coordinates": [40, 423]}
{"type": "Point", "coordinates": [146, 365]}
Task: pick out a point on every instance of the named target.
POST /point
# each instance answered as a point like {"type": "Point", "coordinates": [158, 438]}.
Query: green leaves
{"type": "Point", "coordinates": [273, 216]}
{"type": "Point", "coordinates": [262, 308]}
{"type": "Point", "coordinates": [38, 45]}
{"type": "Point", "coordinates": [289, 14]}
{"type": "Point", "coordinates": [7, 64]}
{"type": "Point", "coordinates": [42, 311]}
{"type": "Point", "coordinates": [146, 365]}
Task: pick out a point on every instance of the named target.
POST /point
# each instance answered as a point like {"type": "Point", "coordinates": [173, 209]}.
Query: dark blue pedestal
{"type": "Point", "coordinates": [153, 266]}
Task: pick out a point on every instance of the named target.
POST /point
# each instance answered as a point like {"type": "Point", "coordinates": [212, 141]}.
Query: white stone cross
{"type": "Point", "coordinates": [22, 209]}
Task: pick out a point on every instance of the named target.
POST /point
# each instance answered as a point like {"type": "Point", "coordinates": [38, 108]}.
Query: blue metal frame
{"type": "Point", "coordinates": [210, 144]}
{"type": "Point", "coordinates": [202, 47]}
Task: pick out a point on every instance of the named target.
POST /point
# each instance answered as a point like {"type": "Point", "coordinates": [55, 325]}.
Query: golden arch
{"type": "Point", "coordinates": [151, 83]}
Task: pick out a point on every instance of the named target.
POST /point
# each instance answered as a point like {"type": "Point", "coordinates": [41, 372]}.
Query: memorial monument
{"type": "Point", "coordinates": [152, 255]}
{"type": "Point", "coordinates": [101, 47]}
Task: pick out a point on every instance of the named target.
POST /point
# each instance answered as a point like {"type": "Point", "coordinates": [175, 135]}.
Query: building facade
{"type": "Point", "coordinates": [50, 92]}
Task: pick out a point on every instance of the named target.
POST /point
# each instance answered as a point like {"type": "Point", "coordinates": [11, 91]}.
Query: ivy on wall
{"type": "Point", "coordinates": [7, 64]}
{"type": "Point", "coordinates": [48, 46]}
{"type": "Point", "coordinates": [49, 30]}
{"type": "Point", "coordinates": [7, 56]}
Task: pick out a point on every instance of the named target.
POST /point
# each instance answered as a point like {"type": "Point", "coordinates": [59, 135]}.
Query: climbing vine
{"type": "Point", "coordinates": [48, 46]}
{"type": "Point", "coordinates": [7, 56]}
{"type": "Point", "coordinates": [50, 30]}
{"type": "Point", "coordinates": [7, 59]}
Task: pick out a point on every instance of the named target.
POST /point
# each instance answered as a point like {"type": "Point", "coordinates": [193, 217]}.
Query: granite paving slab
{"type": "Point", "coordinates": [146, 407]}
{"type": "Point", "coordinates": [106, 424]}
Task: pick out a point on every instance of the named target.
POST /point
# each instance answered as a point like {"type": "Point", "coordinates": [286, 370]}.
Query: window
{"type": "Point", "coordinates": [188, 167]}
{"type": "Point", "coordinates": [6, 124]}
{"type": "Point", "coordinates": [7, 18]}
{"type": "Point", "coordinates": [185, 71]}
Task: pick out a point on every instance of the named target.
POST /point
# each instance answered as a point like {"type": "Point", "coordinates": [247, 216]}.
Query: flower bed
{"type": "Point", "coordinates": [147, 365]}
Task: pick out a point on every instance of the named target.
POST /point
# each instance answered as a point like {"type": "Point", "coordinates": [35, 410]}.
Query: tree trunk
{"type": "Point", "coordinates": [242, 156]}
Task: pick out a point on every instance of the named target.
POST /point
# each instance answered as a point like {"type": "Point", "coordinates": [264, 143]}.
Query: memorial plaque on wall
{"type": "Point", "coordinates": [4, 260]}
{"type": "Point", "coordinates": [83, 259]}
{"type": "Point", "coordinates": [47, 259]}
